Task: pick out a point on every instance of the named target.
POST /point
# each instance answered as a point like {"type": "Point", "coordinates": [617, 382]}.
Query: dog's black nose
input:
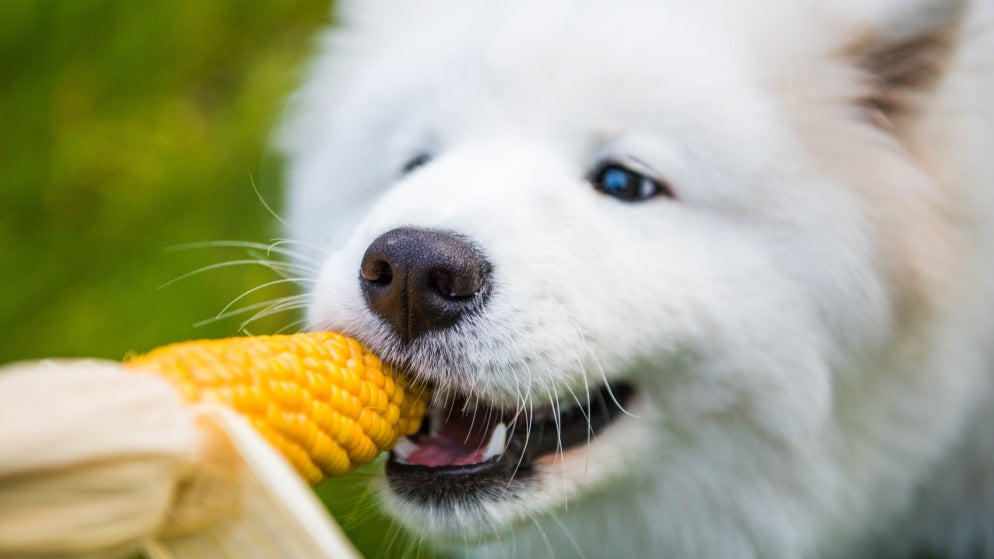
{"type": "Point", "coordinates": [420, 280]}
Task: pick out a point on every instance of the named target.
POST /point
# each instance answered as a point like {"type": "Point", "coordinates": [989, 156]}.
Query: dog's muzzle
{"type": "Point", "coordinates": [420, 280]}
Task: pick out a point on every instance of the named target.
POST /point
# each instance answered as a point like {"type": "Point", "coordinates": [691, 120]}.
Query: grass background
{"type": "Point", "coordinates": [129, 128]}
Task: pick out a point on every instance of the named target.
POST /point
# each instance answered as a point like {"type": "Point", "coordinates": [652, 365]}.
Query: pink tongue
{"type": "Point", "coordinates": [434, 452]}
{"type": "Point", "coordinates": [455, 444]}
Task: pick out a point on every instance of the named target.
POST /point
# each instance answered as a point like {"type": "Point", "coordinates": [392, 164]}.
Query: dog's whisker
{"type": "Point", "coordinates": [618, 404]}
{"type": "Point", "coordinates": [274, 213]}
{"type": "Point", "coordinates": [472, 420]}
{"type": "Point", "coordinates": [270, 248]}
{"type": "Point", "coordinates": [393, 536]}
{"type": "Point", "coordinates": [583, 410]}
{"type": "Point", "coordinates": [276, 266]}
{"type": "Point", "coordinates": [290, 304]}
{"type": "Point", "coordinates": [545, 537]}
{"type": "Point", "coordinates": [448, 415]}
{"type": "Point", "coordinates": [569, 535]}
{"type": "Point", "coordinates": [296, 325]}
{"type": "Point", "coordinates": [610, 391]}
{"type": "Point", "coordinates": [487, 422]}
{"type": "Point", "coordinates": [299, 300]}
{"type": "Point", "coordinates": [513, 543]}
{"type": "Point", "coordinates": [529, 414]}
{"type": "Point", "coordinates": [518, 410]}
{"type": "Point", "coordinates": [261, 287]}
{"type": "Point", "coordinates": [501, 548]}
{"type": "Point", "coordinates": [586, 416]}
{"type": "Point", "coordinates": [288, 270]}
{"type": "Point", "coordinates": [317, 248]}
{"type": "Point", "coordinates": [583, 350]}
{"type": "Point", "coordinates": [556, 417]}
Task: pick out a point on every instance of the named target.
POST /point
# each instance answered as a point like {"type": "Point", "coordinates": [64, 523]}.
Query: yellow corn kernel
{"type": "Point", "coordinates": [325, 402]}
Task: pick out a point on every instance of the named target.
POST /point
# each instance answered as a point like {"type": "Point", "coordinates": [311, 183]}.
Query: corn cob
{"type": "Point", "coordinates": [325, 402]}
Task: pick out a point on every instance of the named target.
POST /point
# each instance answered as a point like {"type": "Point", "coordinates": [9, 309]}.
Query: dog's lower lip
{"type": "Point", "coordinates": [500, 444]}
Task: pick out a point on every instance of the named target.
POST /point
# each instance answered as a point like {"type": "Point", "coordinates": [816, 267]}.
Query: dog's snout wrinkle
{"type": "Point", "coordinates": [420, 280]}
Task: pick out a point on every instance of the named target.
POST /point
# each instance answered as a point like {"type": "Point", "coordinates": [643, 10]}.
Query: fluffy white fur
{"type": "Point", "coordinates": [810, 323]}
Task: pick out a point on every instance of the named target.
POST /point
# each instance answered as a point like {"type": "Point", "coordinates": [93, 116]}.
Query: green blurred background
{"type": "Point", "coordinates": [128, 129]}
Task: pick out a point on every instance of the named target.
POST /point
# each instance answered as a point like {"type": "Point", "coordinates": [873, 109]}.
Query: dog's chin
{"type": "Point", "coordinates": [474, 470]}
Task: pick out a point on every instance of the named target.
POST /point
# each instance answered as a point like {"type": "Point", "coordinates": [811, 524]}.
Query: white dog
{"type": "Point", "coordinates": [689, 278]}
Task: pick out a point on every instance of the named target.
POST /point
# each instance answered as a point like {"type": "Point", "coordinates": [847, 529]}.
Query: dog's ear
{"type": "Point", "coordinates": [904, 53]}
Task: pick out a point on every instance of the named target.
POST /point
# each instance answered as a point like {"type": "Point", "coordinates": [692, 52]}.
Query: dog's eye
{"type": "Point", "coordinates": [626, 184]}
{"type": "Point", "coordinates": [415, 162]}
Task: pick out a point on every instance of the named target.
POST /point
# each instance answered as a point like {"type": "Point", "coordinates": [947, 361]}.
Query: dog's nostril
{"type": "Point", "coordinates": [419, 280]}
{"type": "Point", "coordinates": [442, 282]}
{"type": "Point", "coordinates": [459, 286]}
{"type": "Point", "coordinates": [379, 272]}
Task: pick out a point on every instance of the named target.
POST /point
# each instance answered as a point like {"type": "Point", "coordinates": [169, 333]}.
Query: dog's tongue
{"type": "Point", "coordinates": [458, 441]}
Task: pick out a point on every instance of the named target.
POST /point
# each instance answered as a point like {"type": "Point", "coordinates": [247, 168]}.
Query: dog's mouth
{"type": "Point", "coordinates": [462, 448]}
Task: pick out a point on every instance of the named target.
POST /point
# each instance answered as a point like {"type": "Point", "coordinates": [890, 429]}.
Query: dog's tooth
{"type": "Point", "coordinates": [436, 418]}
{"type": "Point", "coordinates": [403, 449]}
{"type": "Point", "coordinates": [497, 441]}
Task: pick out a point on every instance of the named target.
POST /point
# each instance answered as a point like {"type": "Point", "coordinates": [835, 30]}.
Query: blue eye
{"type": "Point", "coordinates": [625, 184]}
